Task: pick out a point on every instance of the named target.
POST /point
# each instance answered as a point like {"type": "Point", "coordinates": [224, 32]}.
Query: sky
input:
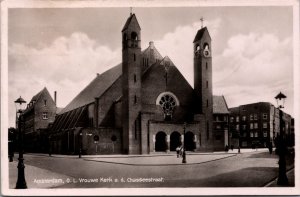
{"type": "Point", "coordinates": [63, 48]}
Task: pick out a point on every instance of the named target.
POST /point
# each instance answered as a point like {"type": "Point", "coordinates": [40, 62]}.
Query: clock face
{"type": "Point", "coordinates": [206, 53]}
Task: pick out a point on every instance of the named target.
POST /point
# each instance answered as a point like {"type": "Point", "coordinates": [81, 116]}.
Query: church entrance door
{"type": "Point", "coordinates": [174, 141]}
{"type": "Point", "coordinates": [189, 141]}
{"type": "Point", "coordinates": [160, 142]}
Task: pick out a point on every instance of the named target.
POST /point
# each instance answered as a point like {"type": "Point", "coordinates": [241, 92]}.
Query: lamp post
{"type": "Point", "coordinates": [183, 154]}
{"type": "Point", "coordinates": [80, 144]}
{"type": "Point", "coordinates": [21, 182]}
{"type": "Point", "coordinates": [281, 144]}
{"type": "Point", "coordinates": [50, 147]}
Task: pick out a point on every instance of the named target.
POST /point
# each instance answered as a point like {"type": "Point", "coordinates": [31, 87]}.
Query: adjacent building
{"type": "Point", "coordinates": [220, 123]}
{"type": "Point", "coordinates": [140, 106]}
{"type": "Point", "coordinates": [256, 124]}
{"type": "Point", "coordinates": [40, 112]}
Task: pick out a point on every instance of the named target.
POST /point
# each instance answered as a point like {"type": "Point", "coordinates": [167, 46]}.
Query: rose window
{"type": "Point", "coordinates": [168, 103]}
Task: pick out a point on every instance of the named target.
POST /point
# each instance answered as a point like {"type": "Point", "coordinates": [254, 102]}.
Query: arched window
{"type": "Point", "coordinates": [134, 36]}
{"type": "Point", "coordinates": [125, 40]}
{"type": "Point", "coordinates": [197, 50]}
{"type": "Point", "coordinates": [134, 39]}
{"type": "Point", "coordinates": [206, 46]}
{"type": "Point", "coordinates": [168, 102]}
{"type": "Point", "coordinates": [125, 37]}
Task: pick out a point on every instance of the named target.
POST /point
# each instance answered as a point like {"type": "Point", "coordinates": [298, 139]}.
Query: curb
{"type": "Point", "coordinates": [275, 179]}
{"type": "Point", "coordinates": [171, 164]}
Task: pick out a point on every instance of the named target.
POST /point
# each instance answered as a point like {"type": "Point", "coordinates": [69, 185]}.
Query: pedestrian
{"type": "Point", "coordinates": [177, 151]}
{"type": "Point", "coordinates": [226, 148]}
{"type": "Point", "coordinates": [181, 151]}
{"type": "Point", "coordinates": [270, 148]}
{"type": "Point", "coordinates": [231, 146]}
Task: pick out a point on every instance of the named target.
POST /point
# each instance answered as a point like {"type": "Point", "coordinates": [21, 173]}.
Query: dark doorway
{"type": "Point", "coordinates": [160, 142]}
{"type": "Point", "coordinates": [189, 141]}
{"type": "Point", "coordinates": [174, 141]}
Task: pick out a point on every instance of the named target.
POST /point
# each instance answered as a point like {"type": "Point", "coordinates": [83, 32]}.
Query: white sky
{"type": "Point", "coordinates": [63, 49]}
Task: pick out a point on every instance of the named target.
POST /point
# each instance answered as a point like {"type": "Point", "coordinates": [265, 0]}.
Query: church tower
{"type": "Point", "coordinates": [131, 85]}
{"type": "Point", "coordinates": [203, 83]}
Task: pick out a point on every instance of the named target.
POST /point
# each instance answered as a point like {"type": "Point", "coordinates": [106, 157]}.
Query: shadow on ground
{"type": "Point", "coordinates": [239, 178]}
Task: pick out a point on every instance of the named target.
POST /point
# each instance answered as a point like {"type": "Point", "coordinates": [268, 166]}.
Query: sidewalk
{"type": "Point", "coordinates": [162, 160]}
{"type": "Point", "coordinates": [36, 177]}
{"type": "Point", "coordinates": [153, 154]}
{"type": "Point", "coordinates": [291, 178]}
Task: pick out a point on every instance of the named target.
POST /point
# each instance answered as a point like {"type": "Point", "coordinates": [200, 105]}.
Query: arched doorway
{"type": "Point", "coordinates": [189, 141]}
{"type": "Point", "coordinates": [160, 142]}
{"type": "Point", "coordinates": [174, 141]}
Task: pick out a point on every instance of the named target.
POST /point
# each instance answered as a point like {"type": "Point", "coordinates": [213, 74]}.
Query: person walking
{"type": "Point", "coordinates": [270, 148]}
{"type": "Point", "coordinates": [177, 151]}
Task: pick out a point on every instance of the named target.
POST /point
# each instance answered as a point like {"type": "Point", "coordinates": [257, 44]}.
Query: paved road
{"type": "Point", "coordinates": [253, 169]}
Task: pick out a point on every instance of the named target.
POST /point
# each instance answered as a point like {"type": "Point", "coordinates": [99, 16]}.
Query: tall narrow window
{"type": "Point", "coordinates": [135, 99]}
{"type": "Point", "coordinates": [45, 102]}
{"type": "Point", "coordinates": [134, 57]}
{"type": "Point", "coordinates": [135, 129]}
{"type": "Point", "coordinates": [200, 139]}
{"type": "Point", "coordinates": [207, 130]}
{"type": "Point", "coordinates": [134, 78]}
{"type": "Point", "coordinates": [206, 102]}
{"type": "Point", "coordinates": [206, 65]}
{"type": "Point", "coordinates": [206, 84]}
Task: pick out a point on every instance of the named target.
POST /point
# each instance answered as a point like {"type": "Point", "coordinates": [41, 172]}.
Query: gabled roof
{"type": "Point", "coordinates": [95, 89]}
{"type": "Point", "coordinates": [200, 33]}
{"type": "Point", "coordinates": [58, 110]}
{"type": "Point", "coordinates": [220, 105]}
{"type": "Point", "coordinates": [35, 98]}
{"type": "Point", "coordinates": [132, 19]}
{"type": "Point", "coordinates": [98, 86]}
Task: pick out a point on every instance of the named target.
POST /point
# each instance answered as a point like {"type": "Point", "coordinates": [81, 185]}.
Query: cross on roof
{"type": "Point", "coordinates": [130, 10]}
{"type": "Point", "coordinates": [201, 19]}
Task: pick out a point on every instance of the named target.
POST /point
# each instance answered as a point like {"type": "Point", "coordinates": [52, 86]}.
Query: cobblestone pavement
{"type": "Point", "coordinates": [159, 170]}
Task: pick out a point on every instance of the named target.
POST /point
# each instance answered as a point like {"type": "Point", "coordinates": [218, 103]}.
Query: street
{"type": "Point", "coordinates": [248, 169]}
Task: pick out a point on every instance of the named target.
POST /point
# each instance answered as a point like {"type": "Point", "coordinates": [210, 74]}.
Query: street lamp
{"type": "Point", "coordinates": [281, 144]}
{"type": "Point", "coordinates": [20, 106]}
{"type": "Point", "coordinates": [49, 145]}
{"type": "Point", "coordinates": [80, 144]}
{"type": "Point", "coordinates": [183, 154]}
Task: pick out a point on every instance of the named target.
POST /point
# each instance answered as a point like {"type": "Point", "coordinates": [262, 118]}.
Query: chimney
{"type": "Point", "coordinates": [55, 97]}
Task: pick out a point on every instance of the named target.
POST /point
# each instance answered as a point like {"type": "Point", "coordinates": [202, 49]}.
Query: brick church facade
{"type": "Point", "coordinates": [140, 105]}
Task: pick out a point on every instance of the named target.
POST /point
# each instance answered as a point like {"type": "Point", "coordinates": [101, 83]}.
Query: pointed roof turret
{"type": "Point", "coordinates": [131, 21]}
{"type": "Point", "coordinates": [200, 34]}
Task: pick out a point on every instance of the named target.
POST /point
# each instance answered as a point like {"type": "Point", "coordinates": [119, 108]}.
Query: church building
{"type": "Point", "coordinates": [141, 106]}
